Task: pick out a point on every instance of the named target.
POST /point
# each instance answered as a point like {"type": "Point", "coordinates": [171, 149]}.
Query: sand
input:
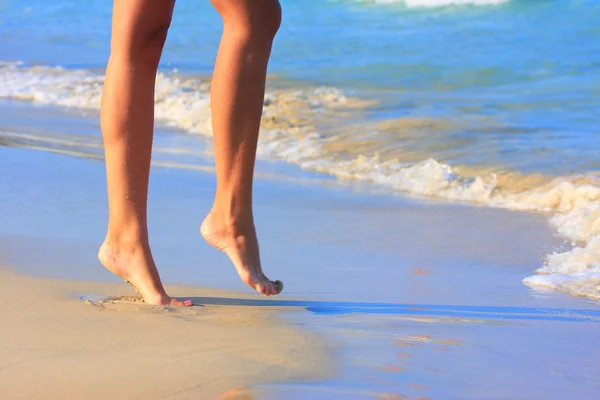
{"type": "Point", "coordinates": [54, 345]}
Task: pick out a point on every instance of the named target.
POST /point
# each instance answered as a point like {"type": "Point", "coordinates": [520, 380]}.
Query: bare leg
{"type": "Point", "coordinates": [237, 99]}
{"type": "Point", "coordinates": [127, 118]}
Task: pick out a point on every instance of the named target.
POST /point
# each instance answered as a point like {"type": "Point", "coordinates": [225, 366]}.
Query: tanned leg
{"type": "Point", "coordinates": [139, 31]}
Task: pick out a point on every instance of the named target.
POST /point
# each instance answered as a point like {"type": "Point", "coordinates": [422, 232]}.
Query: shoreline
{"type": "Point", "coordinates": [450, 275]}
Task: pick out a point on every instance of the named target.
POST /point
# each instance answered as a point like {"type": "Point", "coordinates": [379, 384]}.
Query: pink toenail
{"type": "Point", "coordinates": [187, 302]}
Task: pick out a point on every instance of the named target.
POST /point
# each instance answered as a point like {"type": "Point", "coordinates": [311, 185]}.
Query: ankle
{"type": "Point", "coordinates": [231, 213]}
{"type": "Point", "coordinates": [127, 237]}
{"type": "Point", "coordinates": [234, 198]}
{"type": "Point", "coordinates": [230, 222]}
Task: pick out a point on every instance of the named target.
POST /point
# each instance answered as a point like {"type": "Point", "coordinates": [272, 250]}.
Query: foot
{"type": "Point", "coordinates": [238, 240]}
{"type": "Point", "coordinates": [134, 263]}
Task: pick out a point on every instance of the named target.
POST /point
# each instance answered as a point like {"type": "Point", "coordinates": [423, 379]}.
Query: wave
{"type": "Point", "coordinates": [436, 3]}
{"type": "Point", "coordinates": [292, 131]}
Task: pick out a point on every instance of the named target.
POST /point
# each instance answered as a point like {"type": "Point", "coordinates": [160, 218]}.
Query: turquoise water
{"type": "Point", "coordinates": [523, 75]}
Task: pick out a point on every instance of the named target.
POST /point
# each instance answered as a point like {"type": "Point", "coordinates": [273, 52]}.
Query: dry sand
{"type": "Point", "coordinates": [54, 345]}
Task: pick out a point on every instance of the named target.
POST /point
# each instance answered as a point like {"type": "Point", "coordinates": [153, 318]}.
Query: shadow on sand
{"type": "Point", "coordinates": [479, 312]}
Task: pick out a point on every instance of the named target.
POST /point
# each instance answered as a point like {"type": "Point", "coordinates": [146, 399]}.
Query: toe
{"type": "Point", "coordinates": [277, 286]}
{"type": "Point", "coordinates": [272, 288]}
{"type": "Point", "coordinates": [263, 289]}
{"type": "Point", "coordinates": [179, 303]}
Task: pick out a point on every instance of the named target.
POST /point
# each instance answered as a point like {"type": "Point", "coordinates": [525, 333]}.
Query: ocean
{"type": "Point", "coordinates": [487, 102]}
{"type": "Point", "coordinates": [428, 184]}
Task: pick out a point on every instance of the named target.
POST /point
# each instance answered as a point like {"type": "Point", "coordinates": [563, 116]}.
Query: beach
{"type": "Point", "coordinates": [427, 187]}
{"type": "Point", "coordinates": [58, 346]}
{"type": "Point", "coordinates": [386, 295]}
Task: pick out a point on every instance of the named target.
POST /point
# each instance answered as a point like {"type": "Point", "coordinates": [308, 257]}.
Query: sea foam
{"type": "Point", "coordinates": [437, 3]}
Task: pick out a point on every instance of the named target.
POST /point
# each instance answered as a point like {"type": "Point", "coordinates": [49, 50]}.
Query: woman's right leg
{"type": "Point", "coordinates": [139, 32]}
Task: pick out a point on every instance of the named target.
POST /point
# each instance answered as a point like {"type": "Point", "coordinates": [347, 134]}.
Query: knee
{"type": "Point", "coordinates": [256, 19]}
{"type": "Point", "coordinates": [269, 20]}
{"type": "Point", "coordinates": [143, 45]}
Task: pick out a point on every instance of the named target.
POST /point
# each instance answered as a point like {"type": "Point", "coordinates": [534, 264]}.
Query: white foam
{"type": "Point", "coordinates": [443, 3]}
{"type": "Point", "coordinates": [576, 272]}
{"type": "Point", "coordinates": [573, 203]}
{"type": "Point", "coordinates": [437, 3]}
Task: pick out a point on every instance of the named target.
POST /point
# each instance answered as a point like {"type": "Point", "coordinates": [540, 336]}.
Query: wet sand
{"type": "Point", "coordinates": [55, 345]}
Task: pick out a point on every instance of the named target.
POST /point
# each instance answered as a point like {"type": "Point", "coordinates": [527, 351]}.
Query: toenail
{"type": "Point", "coordinates": [278, 285]}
